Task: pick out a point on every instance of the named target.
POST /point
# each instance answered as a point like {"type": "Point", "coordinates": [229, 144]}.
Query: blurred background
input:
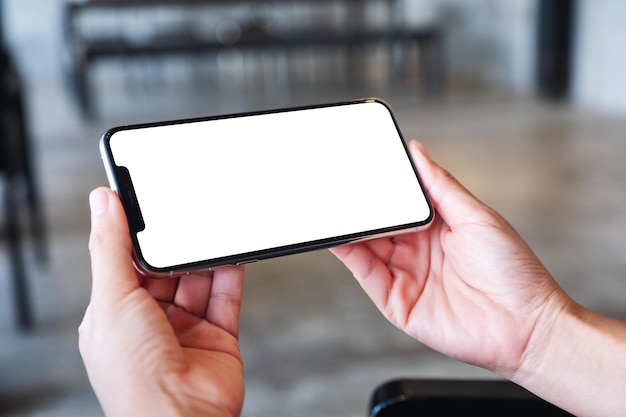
{"type": "Point", "coordinates": [524, 101]}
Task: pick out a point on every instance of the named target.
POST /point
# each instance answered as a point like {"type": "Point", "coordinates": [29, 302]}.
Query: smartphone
{"type": "Point", "coordinates": [231, 189]}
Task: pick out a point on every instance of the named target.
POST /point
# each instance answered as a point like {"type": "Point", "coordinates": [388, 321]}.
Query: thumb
{"type": "Point", "coordinates": [110, 248]}
{"type": "Point", "coordinates": [452, 201]}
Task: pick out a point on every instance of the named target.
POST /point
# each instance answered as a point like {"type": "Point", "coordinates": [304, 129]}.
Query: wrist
{"type": "Point", "coordinates": [577, 361]}
{"type": "Point", "coordinates": [549, 329]}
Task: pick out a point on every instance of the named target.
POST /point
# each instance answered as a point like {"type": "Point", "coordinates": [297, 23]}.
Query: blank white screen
{"type": "Point", "coordinates": [217, 188]}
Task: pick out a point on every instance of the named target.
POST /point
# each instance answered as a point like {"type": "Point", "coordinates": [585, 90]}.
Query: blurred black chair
{"type": "Point", "coordinates": [18, 183]}
{"type": "Point", "coordinates": [420, 49]}
{"type": "Point", "coordinates": [446, 397]}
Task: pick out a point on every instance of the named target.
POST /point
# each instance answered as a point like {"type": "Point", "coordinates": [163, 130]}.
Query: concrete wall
{"type": "Point", "coordinates": [490, 43]}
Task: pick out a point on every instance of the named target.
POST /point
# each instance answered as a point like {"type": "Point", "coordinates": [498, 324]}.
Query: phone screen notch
{"type": "Point", "coordinates": [129, 200]}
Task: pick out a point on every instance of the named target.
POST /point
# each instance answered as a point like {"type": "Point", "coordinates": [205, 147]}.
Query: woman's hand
{"type": "Point", "coordinates": [468, 286]}
{"type": "Point", "coordinates": [158, 346]}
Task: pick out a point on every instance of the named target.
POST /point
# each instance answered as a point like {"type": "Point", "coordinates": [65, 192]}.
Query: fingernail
{"type": "Point", "coordinates": [419, 147]}
{"type": "Point", "coordinates": [98, 202]}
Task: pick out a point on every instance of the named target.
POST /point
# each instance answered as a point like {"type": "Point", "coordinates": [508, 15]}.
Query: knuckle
{"type": "Point", "coordinates": [96, 239]}
{"type": "Point", "coordinates": [226, 298]}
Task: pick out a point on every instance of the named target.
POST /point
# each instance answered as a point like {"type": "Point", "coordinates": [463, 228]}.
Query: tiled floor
{"type": "Point", "coordinates": [313, 344]}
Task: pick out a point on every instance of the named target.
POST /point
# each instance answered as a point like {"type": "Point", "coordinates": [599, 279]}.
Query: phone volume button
{"type": "Point", "coordinates": [247, 262]}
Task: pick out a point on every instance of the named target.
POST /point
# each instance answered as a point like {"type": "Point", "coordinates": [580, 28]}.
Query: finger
{"type": "Point", "coordinates": [225, 302]}
{"type": "Point", "coordinates": [161, 289]}
{"type": "Point", "coordinates": [368, 269]}
{"type": "Point", "coordinates": [382, 248]}
{"type": "Point", "coordinates": [451, 199]}
{"type": "Point", "coordinates": [110, 248]}
{"type": "Point", "coordinates": [193, 293]}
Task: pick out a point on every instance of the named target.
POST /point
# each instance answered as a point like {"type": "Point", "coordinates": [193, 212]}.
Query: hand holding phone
{"type": "Point", "coordinates": [232, 189]}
